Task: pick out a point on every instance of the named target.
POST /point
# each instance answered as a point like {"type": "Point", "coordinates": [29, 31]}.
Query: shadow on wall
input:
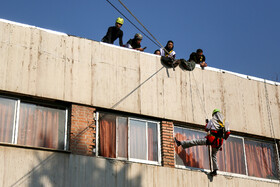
{"type": "Point", "coordinates": [63, 169]}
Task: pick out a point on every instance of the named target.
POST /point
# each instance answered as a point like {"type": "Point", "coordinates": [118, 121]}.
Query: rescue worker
{"type": "Point", "coordinates": [114, 33]}
{"type": "Point", "coordinates": [217, 130]}
{"type": "Point", "coordinates": [199, 58]}
{"type": "Point", "coordinates": [135, 43]}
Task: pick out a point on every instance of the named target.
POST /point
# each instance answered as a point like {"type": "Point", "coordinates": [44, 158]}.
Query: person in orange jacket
{"type": "Point", "coordinates": [217, 130]}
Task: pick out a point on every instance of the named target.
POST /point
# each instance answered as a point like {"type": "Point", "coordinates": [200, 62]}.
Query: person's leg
{"type": "Point", "coordinates": [214, 160]}
{"type": "Point", "coordinates": [194, 142]}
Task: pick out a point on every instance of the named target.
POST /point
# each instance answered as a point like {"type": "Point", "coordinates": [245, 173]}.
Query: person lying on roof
{"type": "Point", "coordinates": [135, 43]}
{"type": "Point", "coordinates": [114, 33]}
{"type": "Point", "coordinates": [199, 58]}
{"type": "Point", "coordinates": [217, 130]}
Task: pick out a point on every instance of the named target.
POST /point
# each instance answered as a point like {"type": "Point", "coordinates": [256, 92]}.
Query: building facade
{"type": "Point", "coordinates": [76, 112]}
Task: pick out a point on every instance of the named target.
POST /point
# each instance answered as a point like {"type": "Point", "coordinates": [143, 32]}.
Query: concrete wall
{"type": "Point", "coordinates": [27, 167]}
{"type": "Point", "coordinates": [40, 63]}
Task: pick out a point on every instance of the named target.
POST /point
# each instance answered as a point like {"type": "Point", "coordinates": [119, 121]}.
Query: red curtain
{"type": "Point", "coordinates": [196, 156]}
{"type": "Point", "coordinates": [261, 159]}
{"type": "Point", "coordinates": [231, 158]}
{"type": "Point", "coordinates": [107, 135]}
{"type": "Point", "coordinates": [39, 126]}
{"type": "Point", "coordinates": [7, 114]}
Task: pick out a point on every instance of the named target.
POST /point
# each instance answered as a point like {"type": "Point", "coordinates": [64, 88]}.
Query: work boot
{"type": "Point", "coordinates": [214, 173]}
{"type": "Point", "coordinates": [178, 143]}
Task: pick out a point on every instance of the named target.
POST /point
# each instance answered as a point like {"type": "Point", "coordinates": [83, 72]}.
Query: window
{"type": "Point", "coordinates": [261, 159]}
{"type": "Point", "coordinates": [128, 138]}
{"type": "Point", "coordinates": [231, 158]}
{"type": "Point", "coordinates": [196, 156]}
{"type": "Point", "coordinates": [239, 155]}
{"type": "Point", "coordinates": [32, 124]}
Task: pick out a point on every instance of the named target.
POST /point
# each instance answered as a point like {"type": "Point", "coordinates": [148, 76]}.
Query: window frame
{"type": "Point", "coordinates": [147, 153]}
{"type": "Point", "coordinates": [189, 167]}
{"type": "Point", "coordinates": [128, 159]}
{"type": "Point", "coordinates": [229, 173]}
{"type": "Point", "coordinates": [246, 168]}
{"type": "Point", "coordinates": [16, 116]}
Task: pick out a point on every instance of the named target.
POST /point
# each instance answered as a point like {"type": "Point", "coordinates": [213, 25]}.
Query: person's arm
{"type": "Point", "coordinates": [208, 125]}
{"type": "Point", "coordinates": [174, 56]}
{"type": "Point", "coordinates": [120, 39]}
{"type": "Point", "coordinates": [128, 46]}
{"type": "Point", "coordinates": [109, 34]}
{"type": "Point", "coordinates": [227, 130]}
{"type": "Point", "coordinates": [140, 49]}
{"type": "Point", "coordinates": [203, 63]}
{"type": "Point", "coordinates": [162, 52]}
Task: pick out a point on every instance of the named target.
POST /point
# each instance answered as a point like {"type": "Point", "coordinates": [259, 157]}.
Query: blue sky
{"type": "Point", "coordinates": [239, 36]}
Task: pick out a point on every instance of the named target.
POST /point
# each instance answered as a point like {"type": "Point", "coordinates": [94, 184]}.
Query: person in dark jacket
{"type": "Point", "coordinates": [217, 130]}
{"type": "Point", "coordinates": [199, 58]}
{"type": "Point", "coordinates": [114, 33]}
{"type": "Point", "coordinates": [135, 43]}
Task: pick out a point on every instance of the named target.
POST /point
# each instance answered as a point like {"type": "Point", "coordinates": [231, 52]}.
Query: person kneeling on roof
{"type": "Point", "coordinates": [135, 43]}
{"type": "Point", "coordinates": [114, 33]}
{"type": "Point", "coordinates": [217, 130]}
{"type": "Point", "coordinates": [199, 58]}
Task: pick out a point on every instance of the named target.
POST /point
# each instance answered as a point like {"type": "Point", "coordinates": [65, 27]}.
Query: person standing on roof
{"type": "Point", "coordinates": [135, 43]}
{"type": "Point", "coordinates": [199, 58]}
{"type": "Point", "coordinates": [217, 130]}
{"type": "Point", "coordinates": [114, 33]}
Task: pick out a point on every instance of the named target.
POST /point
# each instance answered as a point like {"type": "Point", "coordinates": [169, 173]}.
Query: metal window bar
{"type": "Point", "coordinates": [147, 146]}
{"type": "Point", "coordinates": [14, 121]}
{"type": "Point", "coordinates": [66, 130]}
{"type": "Point", "coordinates": [159, 143]}
{"type": "Point", "coordinates": [97, 133]}
{"type": "Point", "coordinates": [17, 122]}
{"type": "Point", "coordinates": [246, 166]}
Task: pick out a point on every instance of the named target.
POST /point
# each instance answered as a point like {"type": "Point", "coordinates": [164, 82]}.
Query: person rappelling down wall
{"type": "Point", "coordinates": [217, 130]}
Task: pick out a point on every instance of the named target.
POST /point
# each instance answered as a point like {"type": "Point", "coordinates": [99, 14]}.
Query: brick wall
{"type": "Point", "coordinates": [82, 132]}
{"type": "Point", "coordinates": [167, 144]}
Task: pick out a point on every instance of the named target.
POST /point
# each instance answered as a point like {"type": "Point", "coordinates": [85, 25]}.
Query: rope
{"type": "Point", "coordinates": [271, 124]}
{"type": "Point", "coordinates": [140, 23]}
{"type": "Point", "coordinates": [148, 32]}
{"type": "Point", "coordinates": [200, 98]}
{"type": "Point", "coordinates": [115, 105]}
{"type": "Point", "coordinates": [132, 23]}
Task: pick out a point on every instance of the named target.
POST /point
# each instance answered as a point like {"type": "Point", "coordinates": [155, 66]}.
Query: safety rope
{"type": "Point", "coordinates": [271, 125]}
{"type": "Point", "coordinates": [75, 138]}
{"type": "Point", "coordinates": [141, 23]}
{"type": "Point", "coordinates": [160, 45]}
{"type": "Point", "coordinates": [132, 23]}
{"type": "Point", "coordinates": [200, 97]}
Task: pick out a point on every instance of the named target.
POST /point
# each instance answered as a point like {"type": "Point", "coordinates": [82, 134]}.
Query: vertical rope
{"type": "Point", "coordinates": [270, 121]}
